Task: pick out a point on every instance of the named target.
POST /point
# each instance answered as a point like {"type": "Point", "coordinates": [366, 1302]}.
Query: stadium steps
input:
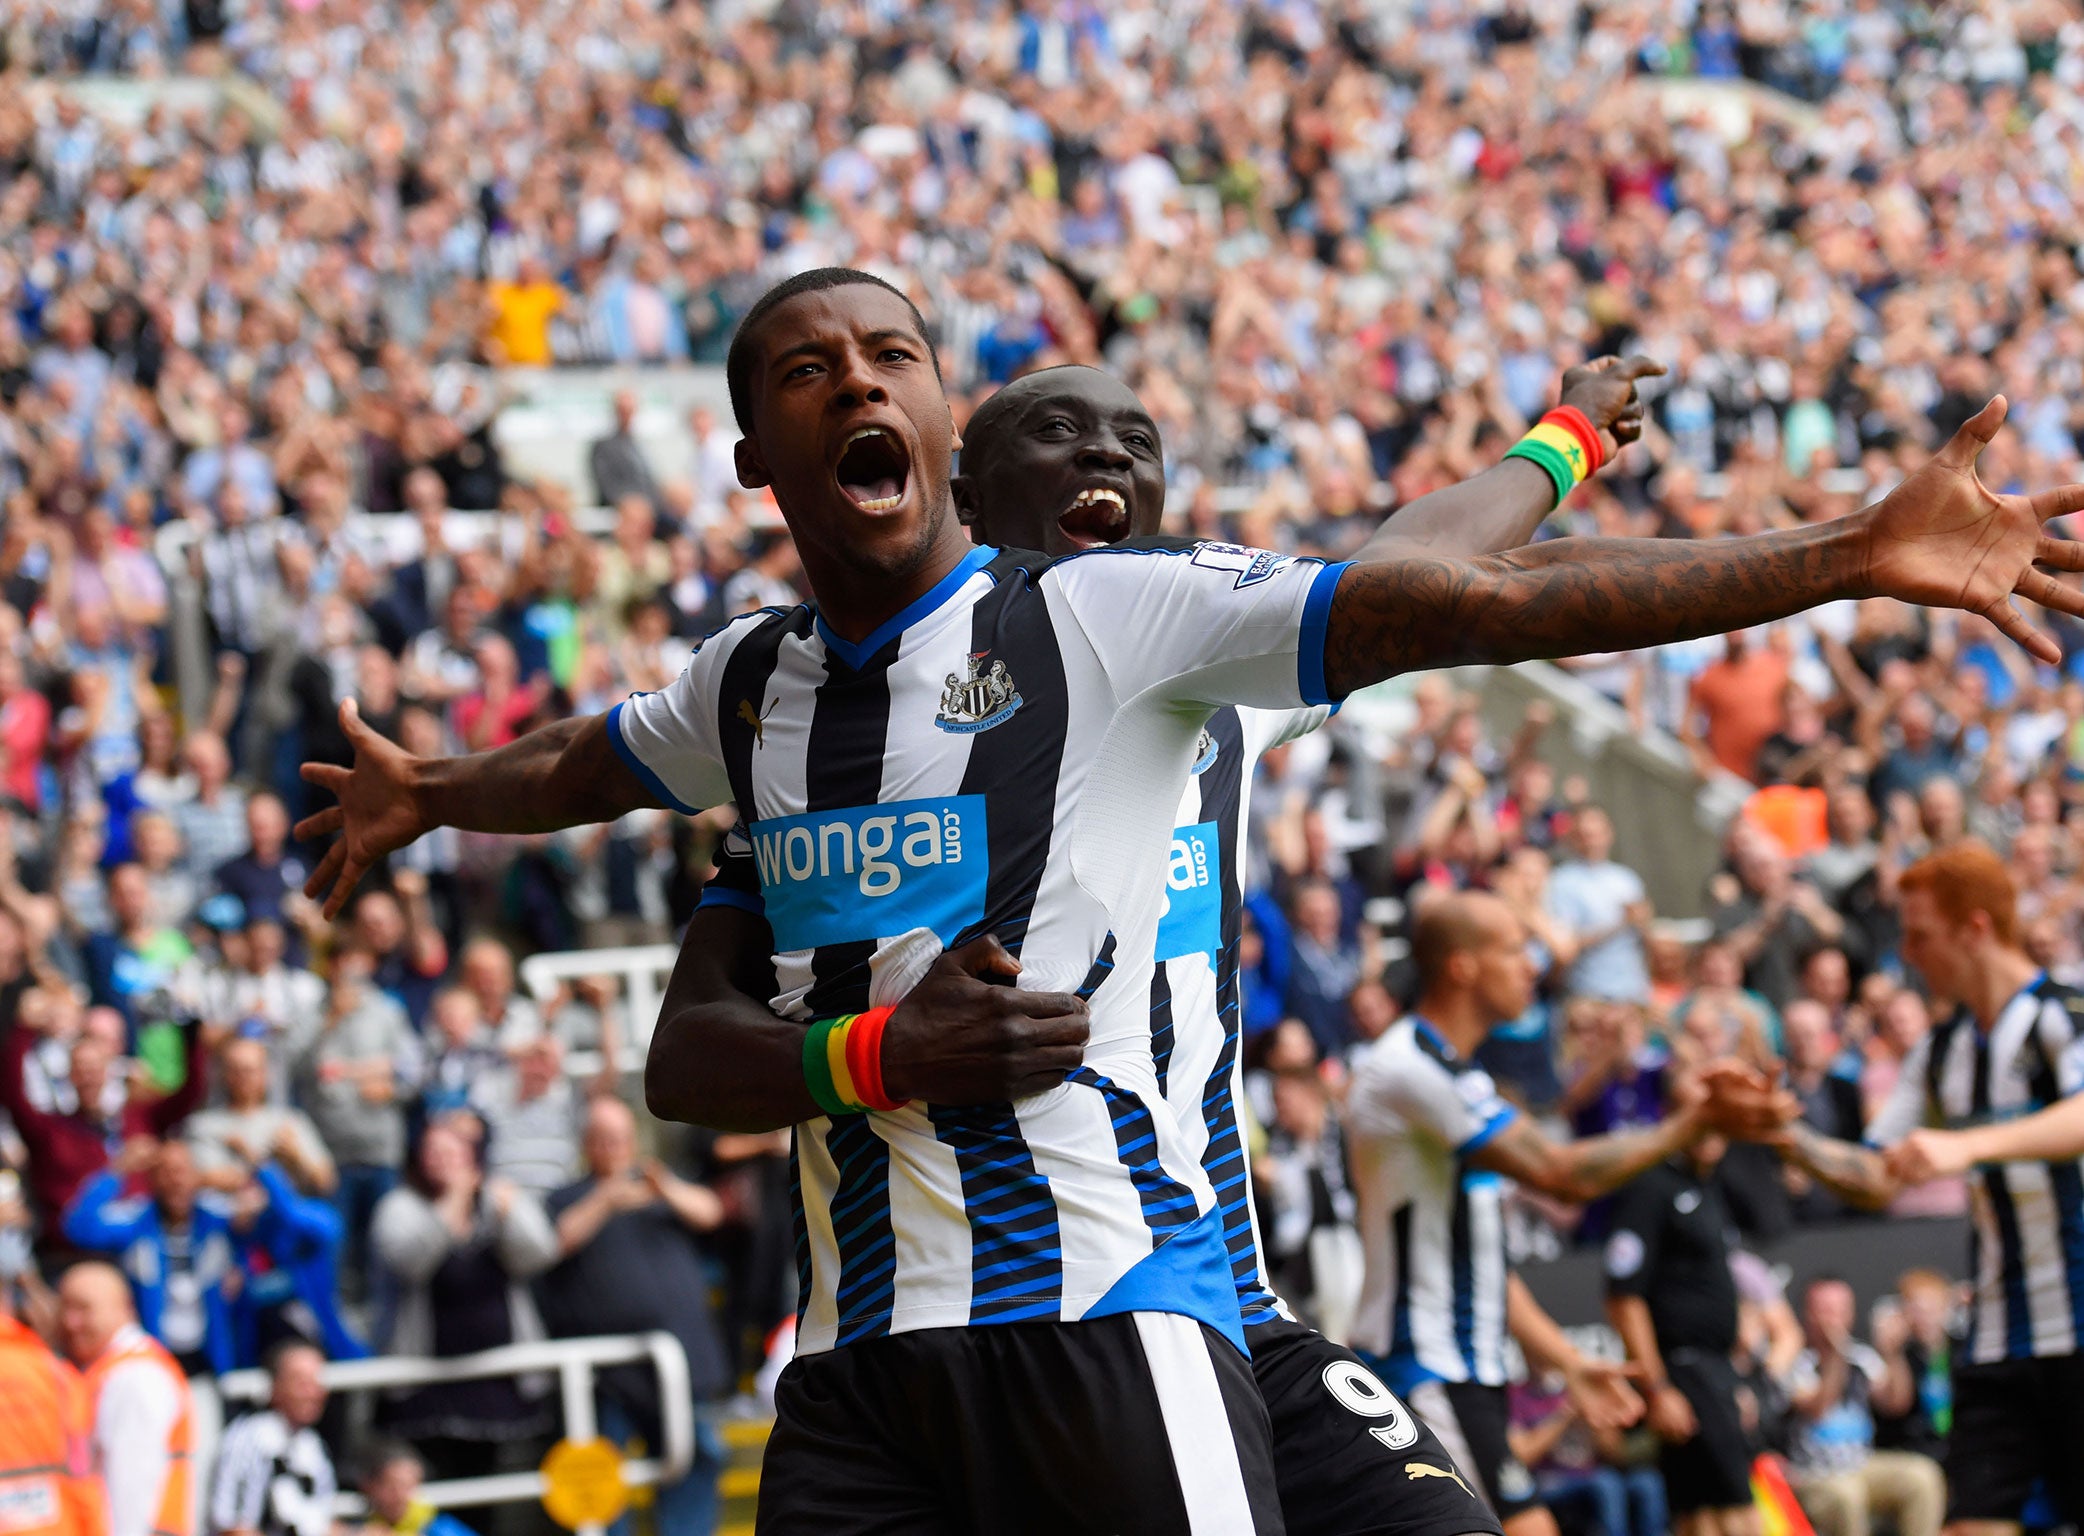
{"type": "Point", "coordinates": [745, 1441]}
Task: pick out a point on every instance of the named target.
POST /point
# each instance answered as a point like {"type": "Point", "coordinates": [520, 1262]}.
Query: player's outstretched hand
{"type": "Point", "coordinates": [1671, 1415]}
{"type": "Point", "coordinates": [1923, 1156]}
{"type": "Point", "coordinates": [377, 813]}
{"type": "Point", "coordinates": [1604, 389]}
{"type": "Point", "coordinates": [1604, 1393]}
{"type": "Point", "coordinates": [967, 1035]}
{"type": "Point", "coordinates": [1944, 539]}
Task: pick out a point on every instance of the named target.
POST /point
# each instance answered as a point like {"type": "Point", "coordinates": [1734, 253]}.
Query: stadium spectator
{"type": "Point", "coordinates": [176, 1243]}
{"type": "Point", "coordinates": [1844, 1482]}
{"type": "Point", "coordinates": [618, 463]}
{"type": "Point", "coordinates": [629, 1261]}
{"type": "Point", "coordinates": [273, 1476]}
{"type": "Point", "coordinates": [1830, 1100]}
{"type": "Point", "coordinates": [1913, 1402]}
{"type": "Point", "coordinates": [462, 1250]}
{"type": "Point", "coordinates": [141, 1411]}
{"type": "Point", "coordinates": [1604, 909]}
{"type": "Point", "coordinates": [252, 1127]}
{"type": "Point", "coordinates": [390, 1482]}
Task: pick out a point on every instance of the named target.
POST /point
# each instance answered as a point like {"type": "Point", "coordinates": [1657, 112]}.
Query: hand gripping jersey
{"type": "Point", "coordinates": [1004, 756]}
{"type": "Point", "coordinates": [2027, 1235]}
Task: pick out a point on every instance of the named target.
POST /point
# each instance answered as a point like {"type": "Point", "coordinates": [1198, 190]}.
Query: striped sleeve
{"type": "Point", "coordinates": [240, 1494]}
{"type": "Point", "coordinates": [669, 739]}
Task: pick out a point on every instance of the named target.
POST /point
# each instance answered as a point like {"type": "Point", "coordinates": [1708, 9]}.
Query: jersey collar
{"type": "Point", "coordinates": [859, 655]}
{"type": "Point", "coordinates": [1433, 1037]}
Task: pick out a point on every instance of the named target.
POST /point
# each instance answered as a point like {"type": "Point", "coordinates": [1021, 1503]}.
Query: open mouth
{"type": "Point", "coordinates": [1096, 515]}
{"type": "Point", "coordinates": [872, 469]}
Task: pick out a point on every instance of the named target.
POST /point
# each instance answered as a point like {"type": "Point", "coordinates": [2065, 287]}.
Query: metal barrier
{"type": "Point", "coordinates": [574, 1360]}
{"type": "Point", "coordinates": [641, 968]}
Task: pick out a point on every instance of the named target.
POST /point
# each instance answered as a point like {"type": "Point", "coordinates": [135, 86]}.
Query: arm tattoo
{"type": "Point", "coordinates": [1569, 596]}
{"type": "Point", "coordinates": [1854, 1173]}
{"type": "Point", "coordinates": [1602, 1164]}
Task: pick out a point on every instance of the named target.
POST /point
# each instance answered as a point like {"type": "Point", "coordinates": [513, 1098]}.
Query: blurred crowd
{"type": "Point", "coordinates": [1342, 250]}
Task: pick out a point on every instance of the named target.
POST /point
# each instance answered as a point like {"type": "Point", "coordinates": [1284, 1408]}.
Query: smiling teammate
{"type": "Point", "coordinates": [1068, 459]}
{"type": "Point", "coordinates": [1019, 1314]}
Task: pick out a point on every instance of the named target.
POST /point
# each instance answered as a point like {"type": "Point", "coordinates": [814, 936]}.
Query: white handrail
{"type": "Point", "coordinates": [641, 969]}
{"type": "Point", "coordinates": [574, 1360]}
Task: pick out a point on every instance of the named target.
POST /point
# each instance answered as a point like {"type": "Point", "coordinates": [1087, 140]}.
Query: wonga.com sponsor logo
{"type": "Point", "coordinates": [873, 872]}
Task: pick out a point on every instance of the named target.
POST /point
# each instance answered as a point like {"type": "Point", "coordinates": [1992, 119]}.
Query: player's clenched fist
{"type": "Point", "coordinates": [966, 1035]}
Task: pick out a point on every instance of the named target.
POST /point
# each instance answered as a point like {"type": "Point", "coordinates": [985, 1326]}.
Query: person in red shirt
{"type": "Point", "coordinates": [25, 733]}
{"type": "Point", "coordinates": [66, 1149]}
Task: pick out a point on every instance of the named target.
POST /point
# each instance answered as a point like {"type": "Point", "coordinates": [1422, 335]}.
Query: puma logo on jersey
{"type": "Point", "coordinates": [1414, 1470]}
{"type": "Point", "coordinates": [756, 720]}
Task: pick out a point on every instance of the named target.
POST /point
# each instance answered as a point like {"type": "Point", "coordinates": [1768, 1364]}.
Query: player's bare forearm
{"type": "Point", "coordinates": [1584, 1170]}
{"type": "Point", "coordinates": [1629, 1317]}
{"type": "Point", "coordinates": [1539, 1334]}
{"type": "Point", "coordinates": [566, 774]}
{"type": "Point", "coordinates": [720, 1056]}
{"type": "Point", "coordinates": [2054, 1134]}
{"type": "Point", "coordinates": [1496, 510]}
{"type": "Point", "coordinates": [1855, 1174]}
{"type": "Point", "coordinates": [1570, 596]}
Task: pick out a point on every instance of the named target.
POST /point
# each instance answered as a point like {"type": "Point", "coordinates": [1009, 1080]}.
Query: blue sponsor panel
{"type": "Point", "coordinates": [1193, 920]}
{"type": "Point", "coordinates": [873, 872]}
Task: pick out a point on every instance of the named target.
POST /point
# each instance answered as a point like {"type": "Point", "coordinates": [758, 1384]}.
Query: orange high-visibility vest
{"type": "Point", "coordinates": [133, 1343]}
{"type": "Point", "coordinates": [47, 1481]}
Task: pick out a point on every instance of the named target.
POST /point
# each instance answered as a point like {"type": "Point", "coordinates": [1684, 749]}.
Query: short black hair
{"type": "Point", "coordinates": [738, 362]}
{"type": "Point", "coordinates": [380, 1451]}
{"type": "Point", "coordinates": [984, 420]}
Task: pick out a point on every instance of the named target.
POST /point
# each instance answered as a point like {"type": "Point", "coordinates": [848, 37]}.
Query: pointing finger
{"type": "Point", "coordinates": [1640, 367]}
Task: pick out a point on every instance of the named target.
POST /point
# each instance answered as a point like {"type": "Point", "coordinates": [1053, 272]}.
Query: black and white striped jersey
{"type": "Point", "coordinates": [1006, 755]}
{"type": "Point", "coordinates": [1432, 1298]}
{"type": "Point", "coordinates": [2027, 1233]}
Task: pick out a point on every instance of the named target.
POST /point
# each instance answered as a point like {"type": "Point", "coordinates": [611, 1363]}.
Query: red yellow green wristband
{"type": "Point", "coordinates": [843, 1063]}
{"type": "Point", "coordinates": [1566, 445]}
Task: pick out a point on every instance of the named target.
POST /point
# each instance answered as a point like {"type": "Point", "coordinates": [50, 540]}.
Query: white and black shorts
{"type": "Point", "coordinates": [1145, 1422]}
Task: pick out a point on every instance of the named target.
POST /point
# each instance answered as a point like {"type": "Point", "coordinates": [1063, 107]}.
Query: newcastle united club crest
{"type": "Point", "coordinates": [978, 700]}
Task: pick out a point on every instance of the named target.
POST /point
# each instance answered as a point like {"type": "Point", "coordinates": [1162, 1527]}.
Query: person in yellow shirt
{"type": "Point", "coordinates": [522, 310]}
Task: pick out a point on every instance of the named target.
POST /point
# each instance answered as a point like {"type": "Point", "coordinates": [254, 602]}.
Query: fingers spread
{"type": "Point", "coordinates": [2015, 628]}
{"type": "Point", "coordinates": [2060, 554]}
{"type": "Point", "coordinates": [2061, 500]}
{"type": "Point", "coordinates": [320, 824]}
{"type": "Point", "coordinates": [2040, 587]}
{"type": "Point", "coordinates": [328, 869]}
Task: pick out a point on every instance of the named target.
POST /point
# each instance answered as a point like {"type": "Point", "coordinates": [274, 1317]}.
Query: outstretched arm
{"type": "Point", "coordinates": [1502, 507]}
{"type": "Point", "coordinates": [1941, 539]}
{"type": "Point", "coordinates": [1855, 1174]}
{"type": "Point", "coordinates": [2055, 1134]}
{"type": "Point", "coordinates": [565, 775]}
{"type": "Point", "coordinates": [1584, 1170]}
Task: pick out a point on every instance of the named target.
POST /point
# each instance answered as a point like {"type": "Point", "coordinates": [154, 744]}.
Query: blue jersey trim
{"type": "Point", "coordinates": [1488, 1133]}
{"type": "Point", "coordinates": [1316, 622]}
{"type": "Point", "coordinates": [1189, 1275]}
{"type": "Point", "coordinates": [640, 768]}
{"type": "Point", "coordinates": [858, 655]}
{"type": "Point", "coordinates": [714, 895]}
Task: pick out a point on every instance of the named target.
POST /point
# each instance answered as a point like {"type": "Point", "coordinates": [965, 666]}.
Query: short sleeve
{"type": "Point", "coordinates": [669, 738]}
{"type": "Point", "coordinates": [1270, 728]}
{"type": "Point", "coordinates": [1904, 1109]}
{"type": "Point", "coordinates": [2061, 1030]}
{"type": "Point", "coordinates": [1208, 624]}
{"type": "Point", "coordinates": [1464, 1111]}
{"type": "Point", "coordinates": [736, 882]}
{"type": "Point", "coordinates": [1633, 1243]}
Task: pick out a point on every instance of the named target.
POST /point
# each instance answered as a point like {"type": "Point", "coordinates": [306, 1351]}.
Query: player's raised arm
{"type": "Point", "coordinates": [565, 775]}
{"type": "Point", "coordinates": [1502, 507]}
{"type": "Point", "coordinates": [1941, 539]}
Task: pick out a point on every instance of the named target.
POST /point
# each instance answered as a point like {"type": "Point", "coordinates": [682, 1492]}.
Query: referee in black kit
{"type": "Point", "coordinates": [1671, 1297]}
